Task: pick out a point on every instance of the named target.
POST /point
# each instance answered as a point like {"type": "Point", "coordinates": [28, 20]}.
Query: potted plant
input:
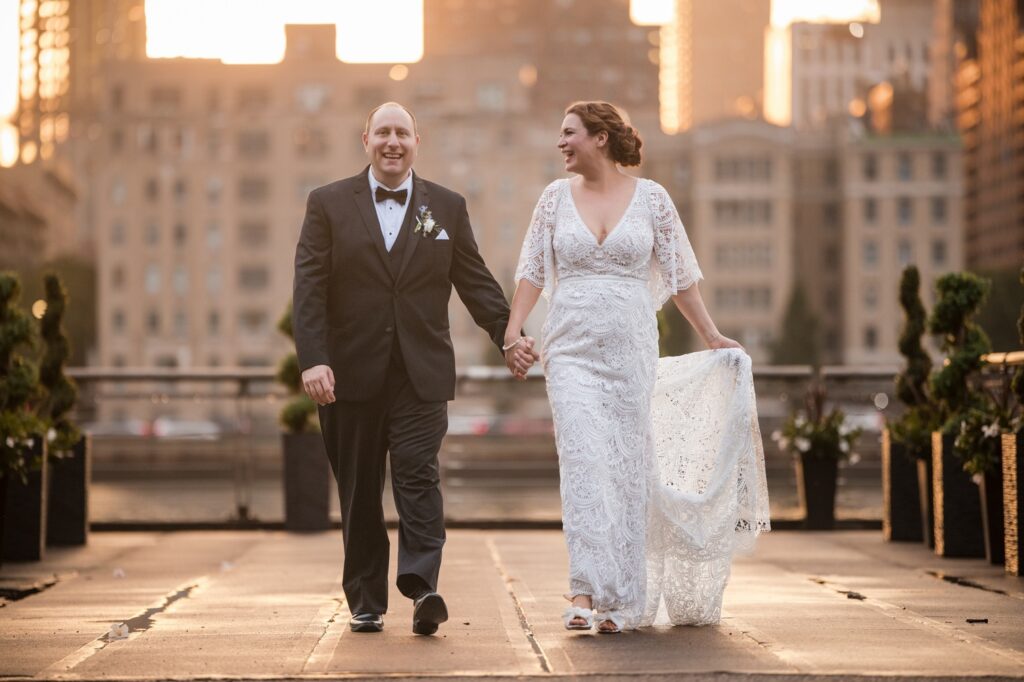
{"type": "Point", "coordinates": [22, 447]}
{"type": "Point", "coordinates": [906, 442]}
{"type": "Point", "coordinates": [68, 449]}
{"type": "Point", "coordinates": [958, 524]}
{"type": "Point", "coordinates": [307, 474]}
{"type": "Point", "coordinates": [817, 441]}
{"type": "Point", "coordinates": [1013, 467]}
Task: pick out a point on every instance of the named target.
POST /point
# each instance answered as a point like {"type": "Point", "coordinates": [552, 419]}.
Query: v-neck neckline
{"type": "Point", "coordinates": [579, 216]}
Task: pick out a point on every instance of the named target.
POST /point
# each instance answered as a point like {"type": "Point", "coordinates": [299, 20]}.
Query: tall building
{"type": "Point", "coordinates": [839, 211]}
{"type": "Point", "coordinates": [990, 117]}
{"type": "Point", "coordinates": [207, 166]}
{"type": "Point", "coordinates": [712, 62]}
{"type": "Point", "coordinates": [831, 67]}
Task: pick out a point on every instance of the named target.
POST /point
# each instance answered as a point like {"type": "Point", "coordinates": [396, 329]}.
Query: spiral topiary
{"type": "Point", "coordinates": [19, 384]}
{"type": "Point", "coordinates": [59, 392]}
{"type": "Point", "coordinates": [297, 416]}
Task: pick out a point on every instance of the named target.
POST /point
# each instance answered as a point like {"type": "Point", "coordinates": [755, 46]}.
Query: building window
{"type": "Point", "coordinates": [165, 100]}
{"type": "Point", "coordinates": [213, 323]}
{"type": "Point", "coordinates": [118, 193]}
{"type": "Point", "coordinates": [117, 321]}
{"type": "Point", "coordinates": [116, 141]}
{"type": "Point", "coordinates": [152, 190]}
{"type": "Point", "coordinates": [832, 215]}
{"type": "Point", "coordinates": [214, 237]}
{"type": "Point", "coordinates": [253, 99]}
{"type": "Point", "coordinates": [938, 210]}
{"type": "Point", "coordinates": [905, 210]}
{"type": "Point", "coordinates": [148, 141]}
{"type": "Point", "coordinates": [152, 233]}
{"type": "Point", "coordinates": [939, 165]}
{"type": "Point", "coordinates": [906, 253]}
{"type": "Point", "coordinates": [214, 190]}
{"type": "Point", "coordinates": [253, 233]}
{"type": "Point", "coordinates": [939, 252]}
{"type": "Point", "coordinates": [870, 254]}
{"type": "Point", "coordinates": [491, 97]}
{"type": "Point", "coordinates": [736, 212]}
{"type": "Point", "coordinates": [253, 144]}
{"type": "Point", "coordinates": [870, 167]}
{"type": "Point", "coordinates": [117, 277]}
{"type": "Point", "coordinates": [180, 280]}
{"type": "Point", "coordinates": [252, 188]}
{"type": "Point", "coordinates": [153, 322]}
{"type": "Point", "coordinates": [180, 190]}
{"type": "Point", "coordinates": [214, 143]}
{"type": "Point", "coordinates": [180, 234]}
{"type": "Point", "coordinates": [870, 338]}
{"type": "Point", "coordinates": [117, 233]}
{"type": "Point", "coordinates": [311, 143]}
{"type": "Point", "coordinates": [905, 166]}
{"type": "Point", "coordinates": [311, 98]}
{"type": "Point", "coordinates": [152, 278]}
{"type": "Point", "coordinates": [252, 321]}
{"type": "Point", "coordinates": [253, 277]}
{"type": "Point", "coordinates": [117, 98]}
{"type": "Point", "coordinates": [180, 325]}
{"type": "Point", "coordinates": [870, 296]}
{"type": "Point", "coordinates": [213, 280]}
{"type": "Point", "coordinates": [870, 210]}
{"type": "Point", "coordinates": [743, 169]}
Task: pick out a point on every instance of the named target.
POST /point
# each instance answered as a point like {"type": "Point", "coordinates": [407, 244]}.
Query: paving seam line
{"type": "Point", "coordinates": [524, 623]}
{"type": "Point", "coordinates": [331, 627]}
{"type": "Point", "coordinates": [798, 664]}
{"type": "Point", "coordinates": [75, 658]}
{"type": "Point", "coordinates": [906, 615]}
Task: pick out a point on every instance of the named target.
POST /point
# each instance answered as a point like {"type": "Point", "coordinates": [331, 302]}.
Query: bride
{"type": "Point", "coordinates": [661, 462]}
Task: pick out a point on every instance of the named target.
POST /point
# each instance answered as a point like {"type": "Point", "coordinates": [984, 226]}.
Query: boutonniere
{"type": "Point", "coordinates": [426, 226]}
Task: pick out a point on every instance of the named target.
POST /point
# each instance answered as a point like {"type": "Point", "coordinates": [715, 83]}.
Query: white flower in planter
{"type": "Point", "coordinates": [991, 431]}
{"type": "Point", "coordinates": [802, 444]}
{"type": "Point", "coordinates": [844, 446]}
{"type": "Point", "coordinates": [10, 442]}
{"type": "Point", "coordinates": [51, 435]}
{"type": "Point", "coordinates": [854, 458]}
{"type": "Point", "coordinates": [776, 435]}
{"type": "Point", "coordinates": [845, 430]}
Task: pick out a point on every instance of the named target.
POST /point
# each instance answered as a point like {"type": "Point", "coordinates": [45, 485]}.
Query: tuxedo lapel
{"type": "Point", "coordinates": [368, 212]}
{"type": "Point", "coordinates": [420, 197]}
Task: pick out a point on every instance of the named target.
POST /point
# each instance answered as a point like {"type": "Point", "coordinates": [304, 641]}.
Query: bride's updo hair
{"type": "Point", "coordinates": [623, 139]}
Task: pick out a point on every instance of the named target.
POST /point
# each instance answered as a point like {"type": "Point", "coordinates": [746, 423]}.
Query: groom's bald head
{"type": "Point", "coordinates": [389, 105]}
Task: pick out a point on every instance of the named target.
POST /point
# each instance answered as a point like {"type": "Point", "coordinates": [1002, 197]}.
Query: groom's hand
{"type": "Point", "coordinates": [521, 357]}
{"type": "Point", "coordinates": [318, 382]}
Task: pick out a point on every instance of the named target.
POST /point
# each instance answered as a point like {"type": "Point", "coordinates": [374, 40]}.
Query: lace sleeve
{"type": "Point", "coordinates": [536, 259]}
{"type": "Point", "coordinates": [674, 266]}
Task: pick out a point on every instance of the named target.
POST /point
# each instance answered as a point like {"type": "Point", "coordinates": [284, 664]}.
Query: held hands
{"type": "Point", "coordinates": [318, 382]}
{"type": "Point", "coordinates": [520, 356]}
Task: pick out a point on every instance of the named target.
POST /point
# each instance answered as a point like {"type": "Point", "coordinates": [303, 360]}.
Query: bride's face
{"type": "Point", "coordinates": [580, 149]}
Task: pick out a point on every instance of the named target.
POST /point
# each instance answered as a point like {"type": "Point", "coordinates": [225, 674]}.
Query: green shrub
{"type": "Point", "coordinates": [19, 385]}
{"type": "Point", "coordinates": [299, 413]}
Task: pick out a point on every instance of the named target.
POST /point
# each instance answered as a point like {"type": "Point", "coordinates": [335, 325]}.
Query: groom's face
{"type": "Point", "coordinates": [391, 142]}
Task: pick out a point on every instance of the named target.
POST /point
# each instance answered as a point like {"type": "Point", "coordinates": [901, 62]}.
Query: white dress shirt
{"type": "Point", "coordinates": [390, 213]}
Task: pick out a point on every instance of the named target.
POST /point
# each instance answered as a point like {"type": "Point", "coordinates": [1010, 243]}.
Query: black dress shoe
{"type": "Point", "coordinates": [366, 622]}
{"type": "Point", "coordinates": [428, 610]}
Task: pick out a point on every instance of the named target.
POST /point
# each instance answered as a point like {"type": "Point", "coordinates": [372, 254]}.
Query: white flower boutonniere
{"type": "Point", "coordinates": [426, 226]}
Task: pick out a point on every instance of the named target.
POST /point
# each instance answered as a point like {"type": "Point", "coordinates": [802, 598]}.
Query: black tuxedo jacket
{"type": "Point", "coordinates": [353, 299]}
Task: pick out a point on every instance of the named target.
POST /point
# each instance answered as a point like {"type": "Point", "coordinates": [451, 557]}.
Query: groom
{"type": "Point", "coordinates": [374, 268]}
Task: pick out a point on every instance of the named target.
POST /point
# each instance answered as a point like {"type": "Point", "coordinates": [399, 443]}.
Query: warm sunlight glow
{"type": "Point", "coordinates": [652, 12]}
{"type": "Point", "coordinates": [253, 32]}
{"type": "Point", "coordinates": [778, 38]}
{"type": "Point", "coordinates": [786, 12]}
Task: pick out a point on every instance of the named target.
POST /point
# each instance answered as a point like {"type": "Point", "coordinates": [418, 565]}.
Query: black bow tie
{"type": "Point", "coordinates": [398, 195]}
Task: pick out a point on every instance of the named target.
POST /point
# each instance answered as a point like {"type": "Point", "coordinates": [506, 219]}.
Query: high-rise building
{"type": "Point", "coordinates": [831, 67]}
{"type": "Point", "coordinates": [712, 62]}
{"type": "Point", "coordinates": [990, 118]}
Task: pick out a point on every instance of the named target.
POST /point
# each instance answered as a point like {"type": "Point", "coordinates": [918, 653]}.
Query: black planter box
{"type": "Point", "coordinates": [1013, 501]}
{"type": "Point", "coordinates": [23, 524]}
{"type": "Point", "coordinates": [67, 521]}
{"type": "Point", "coordinates": [816, 485]}
{"type": "Point", "coordinates": [957, 502]}
{"type": "Point", "coordinates": [901, 503]}
{"type": "Point", "coordinates": [308, 482]}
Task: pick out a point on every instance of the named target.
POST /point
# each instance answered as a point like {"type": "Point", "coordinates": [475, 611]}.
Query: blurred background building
{"type": "Point", "coordinates": [812, 153]}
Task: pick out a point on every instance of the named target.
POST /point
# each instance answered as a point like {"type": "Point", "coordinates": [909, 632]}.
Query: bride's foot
{"type": "Point", "coordinates": [609, 622]}
{"type": "Point", "coordinates": [579, 616]}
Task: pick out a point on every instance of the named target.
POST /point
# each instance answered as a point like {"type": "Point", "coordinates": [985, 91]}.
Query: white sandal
{"type": "Point", "coordinates": [613, 617]}
{"type": "Point", "coordinates": [573, 612]}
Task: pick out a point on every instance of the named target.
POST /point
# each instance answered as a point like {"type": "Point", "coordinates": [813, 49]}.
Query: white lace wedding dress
{"type": "Point", "coordinates": [661, 462]}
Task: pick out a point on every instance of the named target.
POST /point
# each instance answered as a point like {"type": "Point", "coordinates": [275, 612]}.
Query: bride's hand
{"type": "Point", "coordinates": [720, 341]}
